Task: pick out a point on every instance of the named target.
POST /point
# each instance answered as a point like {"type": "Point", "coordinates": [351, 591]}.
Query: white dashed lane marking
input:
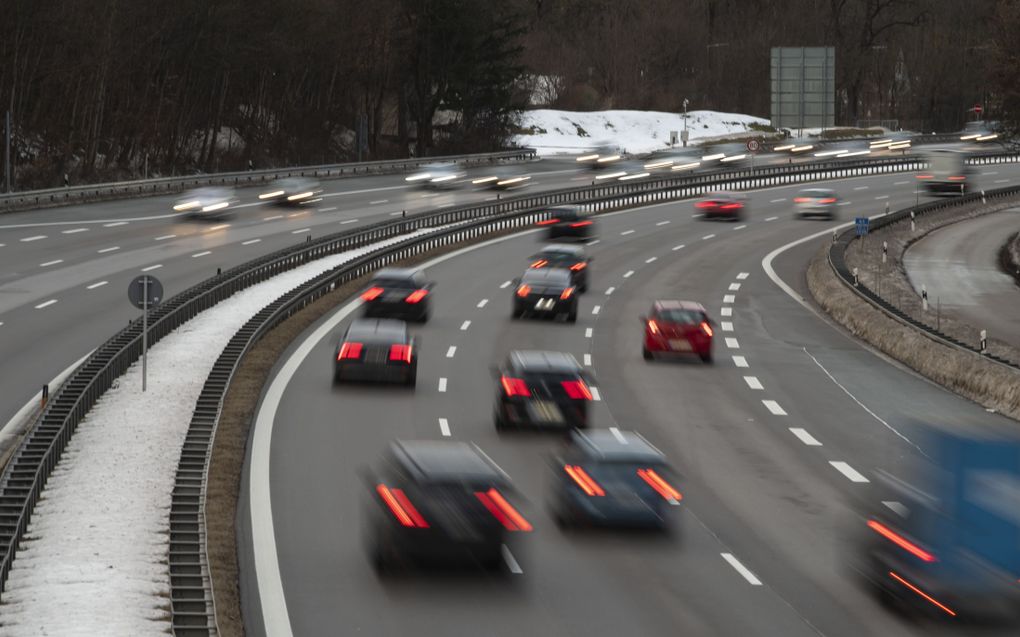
{"type": "Point", "coordinates": [727, 326]}
{"type": "Point", "coordinates": [75, 230]}
{"type": "Point", "coordinates": [740, 361]}
{"type": "Point", "coordinates": [152, 267]}
{"type": "Point", "coordinates": [250, 241]}
{"type": "Point", "coordinates": [511, 563]}
{"type": "Point", "coordinates": [273, 218]}
{"type": "Point", "coordinates": [442, 384]}
{"type": "Point", "coordinates": [483, 303]}
{"type": "Point", "coordinates": [778, 200]}
{"type": "Point", "coordinates": [105, 250]}
{"type": "Point", "coordinates": [651, 259]}
{"type": "Point", "coordinates": [595, 395]}
{"type": "Point", "coordinates": [892, 505]}
{"type": "Point", "coordinates": [774, 407]}
{"type": "Point", "coordinates": [771, 218]}
{"type": "Point", "coordinates": [45, 304]}
{"type": "Point", "coordinates": [729, 298]}
{"type": "Point", "coordinates": [900, 183]}
{"type": "Point", "coordinates": [595, 310]}
{"type": "Point", "coordinates": [35, 238]}
{"type": "Point", "coordinates": [377, 202]}
{"type": "Point", "coordinates": [679, 247]}
{"type": "Point", "coordinates": [740, 227]}
{"type": "Point", "coordinates": [465, 325]}
{"type": "Point", "coordinates": [851, 474]}
{"type": "Point", "coordinates": [49, 263]}
{"type": "Point", "coordinates": [805, 437]}
{"type": "Point", "coordinates": [300, 231]}
{"type": "Point", "coordinates": [882, 197]}
{"type": "Point", "coordinates": [626, 232]}
{"type": "Point", "coordinates": [200, 254]}
{"type": "Point", "coordinates": [115, 224]}
{"type": "Point", "coordinates": [734, 287]}
{"type": "Point", "coordinates": [451, 352]}
{"type": "Point", "coordinates": [96, 285]}
{"type": "Point", "coordinates": [444, 426]}
{"type": "Point", "coordinates": [707, 237]}
{"type": "Point", "coordinates": [505, 284]}
{"type": "Point", "coordinates": [587, 360]}
{"type": "Point", "coordinates": [861, 188]}
{"type": "Point", "coordinates": [743, 275]}
{"type": "Point", "coordinates": [588, 332]}
{"type": "Point", "coordinates": [165, 237]}
{"type": "Point", "coordinates": [662, 223]}
{"type": "Point", "coordinates": [610, 291]}
{"type": "Point", "coordinates": [343, 223]}
{"type": "Point", "coordinates": [740, 568]}
{"type": "Point", "coordinates": [628, 274]}
{"type": "Point", "coordinates": [732, 343]}
{"type": "Point", "coordinates": [726, 311]}
{"type": "Point", "coordinates": [753, 382]}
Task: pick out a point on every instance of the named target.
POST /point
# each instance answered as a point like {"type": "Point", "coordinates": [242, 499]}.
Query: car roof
{"type": "Point", "coordinates": [543, 361]}
{"type": "Point", "coordinates": [825, 190]}
{"type": "Point", "coordinates": [724, 195]}
{"type": "Point", "coordinates": [616, 445]}
{"type": "Point", "coordinates": [564, 248]}
{"type": "Point", "coordinates": [678, 305]}
{"type": "Point", "coordinates": [444, 460]}
{"type": "Point", "coordinates": [549, 276]}
{"type": "Point", "coordinates": [396, 273]}
{"type": "Point", "coordinates": [377, 330]}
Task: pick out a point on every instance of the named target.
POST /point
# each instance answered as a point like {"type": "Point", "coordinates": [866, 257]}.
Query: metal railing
{"type": "Point", "coordinates": [167, 185]}
{"type": "Point", "coordinates": [838, 263]}
{"type": "Point", "coordinates": [193, 613]}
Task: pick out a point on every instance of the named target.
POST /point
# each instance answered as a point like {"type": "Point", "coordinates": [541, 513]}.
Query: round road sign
{"type": "Point", "coordinates": [753, 145]}
{"type": "Point", "coordinates": [145, 286]}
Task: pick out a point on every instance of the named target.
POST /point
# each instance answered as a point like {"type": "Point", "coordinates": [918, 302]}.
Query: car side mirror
{"type": "Point", "coordinates": [515, 281]}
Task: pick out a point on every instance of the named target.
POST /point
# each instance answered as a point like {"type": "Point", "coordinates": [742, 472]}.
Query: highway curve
{"type": "Point", "coordinates": [771, 441]}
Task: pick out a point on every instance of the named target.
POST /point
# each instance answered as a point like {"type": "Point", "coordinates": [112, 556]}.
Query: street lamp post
{"type": "Point", "coordinates": [686, 135]}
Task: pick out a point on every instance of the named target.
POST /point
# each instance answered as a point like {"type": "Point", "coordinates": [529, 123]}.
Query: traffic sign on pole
{"type": "Point", "coordinates": [862, 225]}
{"type": "Point", "coordinates": [753, 145]}
{"type": "Point", "coordinates": [145, 291]}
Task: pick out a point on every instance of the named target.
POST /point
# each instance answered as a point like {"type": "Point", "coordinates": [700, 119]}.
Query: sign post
{"type": "Point", "coordinates": [145, 291]}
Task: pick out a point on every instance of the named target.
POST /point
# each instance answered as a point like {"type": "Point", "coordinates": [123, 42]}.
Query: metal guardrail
{"type": "Point", "coordinates": [837, 261]}
{"type": "Point", "coordinates": [167, 185]}
{"type": "Point", "coordinates": [193, 612]}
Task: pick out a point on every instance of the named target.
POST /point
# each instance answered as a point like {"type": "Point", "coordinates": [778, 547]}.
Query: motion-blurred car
{"type": "Point", "coordinates": [547, 292]}
{"type": "Point", "coordinates": [378, 350]}
{"type": "Point", "coordinates": [292, 191]}
{"type": "Point", "coordinates": [627, 170]}
{"type": "Point", "coordinates": [602, 156]}
{"type": "Point", "coordinates": [400, 293]}
{"type": "Point", "coordinates": [502, 178]}
{"type": "Point", "coordinates": [725, 205]}
{"type": "Point", "coordinates": [672, 162]}
{"type": "Point", "coordinates": [571, 257]}
{"type": "Point", "coordinates": [677, 327]}
{"type": "Point", "coordinates": [207, 203]}
{"type": "Point", "coordinates": [440, 502]}
{"type": "Point", "coordinates": [569, 223]}
{"type": "Point", "coordinates": [612, 477]}
{"type": "Point", "coordinates": [816, 202]}
{"type": "Point", "coordinates": [437, 176]}
{"type": "Point", "coordinates": [538, 390]}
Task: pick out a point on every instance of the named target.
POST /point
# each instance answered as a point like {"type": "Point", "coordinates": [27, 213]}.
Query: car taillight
{"type": "Point", "coordinates": [401, 508]}
{"type": "Point", "coordinates": [349, 350]}
{"type": "Point", "coordinates": [583, 480]}
{"type": "Point", "coordinates": [704, 204]}
{"type": "Point", "coordinates": [706, 328]}
{"type": "Point", "coordinates": [566, 294]}
{"type": "Point", "coordinates": [827, 200]}
{"type": "Point", "coordinates": [400, 352]}
{"type": "Point", "coordinates": [524, 290]}
{"type": "Point", "coordinates": [576, 390]}
{"type": "Point", "coordinates": [547, 222]}
{"type": "Point", "coordinates": [372, 294]}
{"type": "Point", "coordinates": [731, 206]}
{"type": "Point", "coordinates": [416, 296]}
{"type": "Point", "coordinates": [653, 327]}
{"type": "Point", "coordinates": [925, 176]}
{"type": "Point", "coordinates": [957, 178]}
{"type": "Point", "coordinates": [502, 510]}
{"type": "Point", "coordinates": [541, 263]}
{"type": "Point", "coordinates": [901, 541]}
{"type": "Point", "coordinates": [577, 267]}
{"type": "Point", "coordinates": [515, 387]}
{"type": "Point", "coordinates": [663, 488]}
{"type": "Point", "coordinates": [580, 224]}
{"type": "Point", "coordinates": [802, 200]}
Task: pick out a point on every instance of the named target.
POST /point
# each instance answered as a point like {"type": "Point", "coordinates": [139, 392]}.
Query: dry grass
{"type": "Point", "coordinates": [232, 438]}
{"type": "Point", "coordinates": [890, 281]}
{"type": "Point", "coordinates": [968, 374]}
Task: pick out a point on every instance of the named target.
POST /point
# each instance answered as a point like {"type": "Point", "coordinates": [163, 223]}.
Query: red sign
{"type": "Point", "coordinates": [977, 109]}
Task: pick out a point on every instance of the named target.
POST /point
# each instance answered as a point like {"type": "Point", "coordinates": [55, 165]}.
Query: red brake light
{"type": "Point", "coordinates": [827, 200]}
{"type": "Point", "coordinates": [901, 541]}
{"type": "Point", "coordinates": [731, 206]}
{"type": "Point", "coordinates": [515, 387]}
{"type": "Point", "coordinates": [416, 296]}
{"type": "Point", "coordinates": [372, 293]}
{"type": "Point", "coordinates": [577, 267]}
{"type": "Point", "coordinates": [921, 593]}
{"type": "Point", "coordinates": [580, 224]}
{"type": "Point", "coordinates": [655, 481]}
{"type": "Point", "coordinates": [802, 200]}
{"type": "Point", "coordinates": [547, 222]}
{"type": "Point", "coordinates": [653, 327]}
{"type": "Point", "coordinates": [576, 390]}
{"type": "Point", "coordinates": [704, 204]}
{"type": "Point", "coordinates": [502, 510]}
{"type": "Point", "coordinates": [925, 176]}
{"type": "Point", "coordinates": [401, 507]}
{"type": "Point", "coordinates": [401, 352]}
{"type": "Point", "coordinates": [583, 480]}
{"type": "Point", "coordinates": [541, 263]}
{"type": "Point", "coordinates": [349, 350]}
{"type": "Point", "coordinates": [957, 178]}
{"type": "Point", "coordinates": [566, 294]}
{"type": "Point", "coordinates": [524, 290]}
{"type": "Point", "coordinates": [706, 328]}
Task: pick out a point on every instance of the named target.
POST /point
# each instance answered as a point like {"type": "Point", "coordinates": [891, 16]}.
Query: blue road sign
{"type": "Point", "coordinates": [863, 224]}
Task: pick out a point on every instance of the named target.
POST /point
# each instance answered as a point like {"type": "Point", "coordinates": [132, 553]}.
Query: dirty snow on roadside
{"type": "Point", "coordinates": [553, 132]}
{"type": "Point", "coordinates": [94, 558]}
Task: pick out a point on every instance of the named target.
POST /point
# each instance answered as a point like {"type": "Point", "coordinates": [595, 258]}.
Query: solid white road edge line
{"type": "Point", "coordinates": [32, 404]}
{"type": "Point", "coordinates": [511, 563]}
{"type": "Point", "coordinates": [740, 568]}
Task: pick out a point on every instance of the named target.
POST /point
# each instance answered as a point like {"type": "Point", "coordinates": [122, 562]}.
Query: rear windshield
{"type": "Point", "coordinates": [387, 282]}
{"type": "Point", "coordinates": [546, 277]}
{"type": "Point", "coordinates": [559, 257]}
{"type": "Point", "coordinates": [564, 214]}
{"type": "Point", "coordinates": [681, 316]}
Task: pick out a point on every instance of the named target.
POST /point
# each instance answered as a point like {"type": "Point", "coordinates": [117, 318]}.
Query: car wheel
{"type": "Point", "coordinates": [412, 377]}
{"type": "Point", "coordinates": [424, 317]}
{"type": "Point", "coordinates": [336, 376]}
{"type": "Point", "coordinates": [707, 358]}
{"type": "Point", "coordinates": [647, 355]}
{"type": "Point", "coordinates": [572, 316]}
{"type": "Point", "coordinates": [499, 421]}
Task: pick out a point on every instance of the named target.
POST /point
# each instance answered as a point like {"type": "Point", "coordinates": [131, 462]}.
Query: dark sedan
{"type": "Point", "coordinates": [400, 293]}
{"type": "Point", "coordinates": [539, 389]}
{"type": "Point", "coordinates": [379, 350]}
{"type": "Point", "coordinates": [545, 292]}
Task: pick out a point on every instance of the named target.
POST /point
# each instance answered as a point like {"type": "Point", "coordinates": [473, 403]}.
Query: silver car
{"type": "Point", "coordinates": [211, 202]}
{"type": "Point", "coordinates": [292, 191]}
{"type": "Point", "coordinates": [437, 176]}
{"type": "Point", "coordinates": [817, 202]}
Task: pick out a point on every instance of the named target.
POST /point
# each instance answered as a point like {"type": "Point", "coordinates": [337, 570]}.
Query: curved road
{"type": "Point", "coordinates": [772, 442]}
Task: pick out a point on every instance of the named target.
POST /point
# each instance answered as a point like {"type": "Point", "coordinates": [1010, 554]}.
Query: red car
{"type": "Point", "coordinates": [677, 327]}
{"type": "Point", "coordinates": [727, 205]}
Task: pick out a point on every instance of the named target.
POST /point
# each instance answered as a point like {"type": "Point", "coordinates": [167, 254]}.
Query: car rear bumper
{"type": "Point", "coordinates": [528, 307]}
{"type": "Point", "coordinates": [609, 512]}
{"type": "Point", "coordinates": [401, 310]}
{"type": "Point", "coordinates": [375, 372]}
{"type": "Point", "coordinates": [678, 345]}
{"type": "Point", "coordinates": [517, 413]}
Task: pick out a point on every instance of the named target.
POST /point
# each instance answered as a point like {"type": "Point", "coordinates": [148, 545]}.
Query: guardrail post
{"type": "Point", "coordinates": [983, 200]}
{"type": "Point", "coordinates": [913, 226]}
{"type": "Point", "coordinates": [924, 298]}
{"type": "Point", "coordinates": [885, 251]}
{"type": "Point", "coordinates": [984, 341]}
{"type": "Point", "coordinates": [855, 277]}
{"type": "Point", "coordinates": [45, 395]}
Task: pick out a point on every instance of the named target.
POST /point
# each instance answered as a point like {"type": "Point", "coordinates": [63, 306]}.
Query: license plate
{"type": "Point", "coordinates": [545, 411]}
{"type": "Point", "coordinates": [679, 344]}
{"type": "Point", "coordinates": [545, 304]}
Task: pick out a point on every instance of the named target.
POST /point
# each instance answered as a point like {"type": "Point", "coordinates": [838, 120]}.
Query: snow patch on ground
{"type": "Point", "coordinates": [94, 558]}
{"type": "Point", "coordinates": [553, 132]}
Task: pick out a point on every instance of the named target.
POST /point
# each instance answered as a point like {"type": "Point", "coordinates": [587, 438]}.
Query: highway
{"type": "Point", "coordinates": [959, 266]}
{"type": "Point", "coordinates": [773, 442]}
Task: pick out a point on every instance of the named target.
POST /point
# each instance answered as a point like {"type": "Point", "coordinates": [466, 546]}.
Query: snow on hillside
{"type": "Point", "coordinates": [553, 132]}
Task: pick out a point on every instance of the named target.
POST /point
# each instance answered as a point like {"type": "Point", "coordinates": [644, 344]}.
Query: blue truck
{"type": "Point", "coordinates": [947, 542]}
